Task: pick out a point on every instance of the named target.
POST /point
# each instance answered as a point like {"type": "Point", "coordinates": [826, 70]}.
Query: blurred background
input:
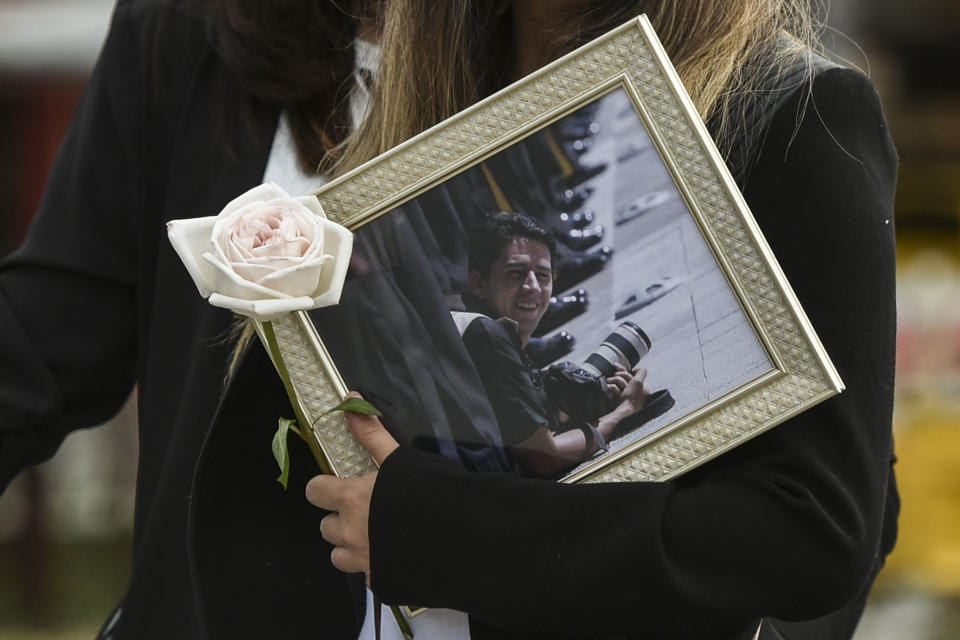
{"type": "Point", "coordinates": [65, 527]}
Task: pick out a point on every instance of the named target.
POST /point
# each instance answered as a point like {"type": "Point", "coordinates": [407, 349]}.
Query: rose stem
{"type": "Point", "coordinates": [271, 337]}
{"type": "Point", "coordinates": [306, 431]}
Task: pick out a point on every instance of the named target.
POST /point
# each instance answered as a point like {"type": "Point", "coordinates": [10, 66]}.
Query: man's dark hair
{"type": "Point", "coordinates": [496, 230]}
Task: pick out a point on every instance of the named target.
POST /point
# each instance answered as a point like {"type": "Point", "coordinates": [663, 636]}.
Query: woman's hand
{"type": "Point", "coordinates": [349, 498]}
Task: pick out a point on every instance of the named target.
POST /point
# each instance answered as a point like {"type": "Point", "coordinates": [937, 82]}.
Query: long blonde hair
{"type": "Point", "coordinates": [439, 57]}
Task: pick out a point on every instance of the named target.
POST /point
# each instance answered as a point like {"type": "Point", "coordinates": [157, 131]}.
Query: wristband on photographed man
{"type": "Point", "coordinates": [595, 440]}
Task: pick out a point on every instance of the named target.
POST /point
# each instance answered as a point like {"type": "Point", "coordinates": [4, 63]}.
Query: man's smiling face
{"type": "Point", "coordinates": [519, 284]}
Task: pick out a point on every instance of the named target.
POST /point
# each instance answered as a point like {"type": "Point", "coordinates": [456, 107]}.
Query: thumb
{"type": "Point", "coordinates": [370, 433]}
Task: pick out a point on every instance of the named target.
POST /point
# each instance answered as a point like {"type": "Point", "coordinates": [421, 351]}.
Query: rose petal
{"type": "Point", "coordinates": [262, 310]}
{"type": "Point", "coordinates": [339, 243]}
{"type": "Point", "coordinates": [281, 248]}
{"type": "Point", "coordinates": [236, 249]}
{"type": "Point", "coordinates": [230, 284]}
{"type": "Point", "coordinates": [261, 193]}
{"type": "Point", "coordinates": [190, 239]}
{"type": "Point", "coordinates": [253, 272]}
{"type": "Point", "coordinates": [260, 273]}
{"type": "Point", "coordinates": [296, 280]}
{"type": "Point", "coordinates": [313, 204]}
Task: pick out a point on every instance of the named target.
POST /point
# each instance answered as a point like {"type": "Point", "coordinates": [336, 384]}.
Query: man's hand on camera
{"type": "Point", "coordinates": [617, 383]}
{"type": "Point", "coordinates": [635, 393]}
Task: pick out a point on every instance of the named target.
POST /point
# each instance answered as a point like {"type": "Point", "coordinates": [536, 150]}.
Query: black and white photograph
{"type": "Point", "coordinates": [556, 303]}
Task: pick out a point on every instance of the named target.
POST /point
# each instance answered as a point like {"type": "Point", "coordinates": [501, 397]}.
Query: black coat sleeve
{"type": "Point", "coordinates": [67, 302]}
{"type": "Point", "coordinates": [785, 525]}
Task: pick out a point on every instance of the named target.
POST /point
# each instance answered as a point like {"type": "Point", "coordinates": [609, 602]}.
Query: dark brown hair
{"type": "Point", "coordinates": [496, 230]}
{"type": "Point", "coordinates": [295, 54]}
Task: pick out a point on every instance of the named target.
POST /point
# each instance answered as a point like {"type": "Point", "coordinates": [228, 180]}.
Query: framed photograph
{"type": "Point", "coordinates": [630, 324]}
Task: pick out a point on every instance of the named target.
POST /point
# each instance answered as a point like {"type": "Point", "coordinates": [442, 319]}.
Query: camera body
{"type": "Point", "coordinates": [580, 391]}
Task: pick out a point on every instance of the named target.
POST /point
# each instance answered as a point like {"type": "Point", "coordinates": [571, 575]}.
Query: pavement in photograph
{"type": "Point", "coordinates": [702, 344]}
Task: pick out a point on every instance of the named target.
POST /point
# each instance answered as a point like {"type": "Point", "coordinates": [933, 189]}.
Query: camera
{"type": "Point", "coordinates": [581, 391]}
{"type": "Point", "coordinates": [625, 346]}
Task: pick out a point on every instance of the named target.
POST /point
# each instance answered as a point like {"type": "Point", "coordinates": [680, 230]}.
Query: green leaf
{"type": "Point", "coordinates": [356, 405]}
{"type": "Point", "coordinates": [280, 453]}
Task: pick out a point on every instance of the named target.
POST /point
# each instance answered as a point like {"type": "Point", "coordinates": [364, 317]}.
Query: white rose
{"type": "Point", "coordinates": [266, 254]}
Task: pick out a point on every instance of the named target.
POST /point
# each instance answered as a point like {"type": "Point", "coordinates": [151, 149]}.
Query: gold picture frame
{"type": "Point", "coordinates": [732, 277]}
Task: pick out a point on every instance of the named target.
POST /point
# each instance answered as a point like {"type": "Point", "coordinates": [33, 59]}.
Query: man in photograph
{"type": "Point", "coordinates": [511, 258]}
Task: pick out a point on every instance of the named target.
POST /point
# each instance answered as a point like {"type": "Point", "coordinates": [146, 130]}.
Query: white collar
{"type": "Point", "coordinates": [283, 166]}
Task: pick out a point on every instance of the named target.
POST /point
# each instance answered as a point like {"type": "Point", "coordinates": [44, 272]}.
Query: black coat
{"type": "Point", "coordinates": [792, 524]}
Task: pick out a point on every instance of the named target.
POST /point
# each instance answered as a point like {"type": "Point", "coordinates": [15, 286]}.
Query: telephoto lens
{"type": "Point", "coordinates": [625, 346]}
